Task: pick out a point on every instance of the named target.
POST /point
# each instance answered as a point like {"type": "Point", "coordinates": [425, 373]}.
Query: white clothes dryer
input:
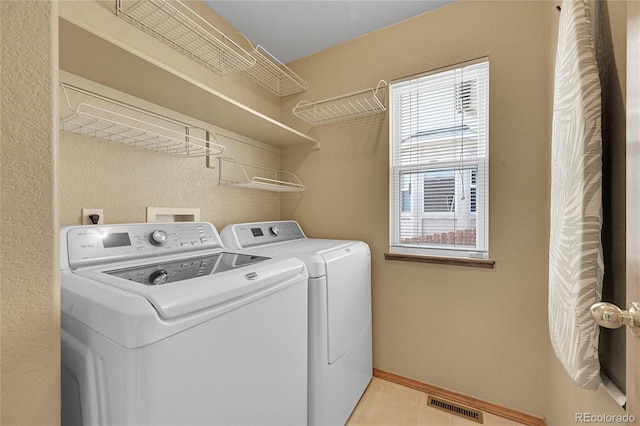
{"type": "Point", "coordinates": [340, 352]}
{"type": "Point", "coordinates": [161, 325]}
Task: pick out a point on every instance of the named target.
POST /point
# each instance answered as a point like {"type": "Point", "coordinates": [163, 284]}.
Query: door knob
{"type": "Point", "coordinates": [610, 316]}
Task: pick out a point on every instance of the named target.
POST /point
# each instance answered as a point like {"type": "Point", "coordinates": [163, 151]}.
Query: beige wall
{"type": "Point", "coordinates": [478, 332]}
{"type": "Point", "coordinates": [30, 297]}
{"type": "Point", "coordinates": [124, 181]}
{"type": "Point", "coordinates": [565, 399]}
{"type": "Point", "coordinates": [92, 173]}
{"type": "Point", "coordinates": [99, 17]}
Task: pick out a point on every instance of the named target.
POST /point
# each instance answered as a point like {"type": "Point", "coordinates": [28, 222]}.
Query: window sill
{"type": "Point", "coordinates": [454, 261]}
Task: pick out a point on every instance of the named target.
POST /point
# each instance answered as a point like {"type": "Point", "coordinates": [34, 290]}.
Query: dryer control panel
{"type": "Point", "coordinates": [96, 244]}
{"type": "Point", "coordinates": [246, 235]}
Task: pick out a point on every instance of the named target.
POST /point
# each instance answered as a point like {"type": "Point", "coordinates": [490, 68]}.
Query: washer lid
{"type": "Point", "coordinates": [284, 238]}
{"type": "Point", "coordinates": [236, 283]}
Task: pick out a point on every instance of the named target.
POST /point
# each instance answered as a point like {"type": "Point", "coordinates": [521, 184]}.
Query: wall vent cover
{"type": "Point", "coordinates": [458, 410]}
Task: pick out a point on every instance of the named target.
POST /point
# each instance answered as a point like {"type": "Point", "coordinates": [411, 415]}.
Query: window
{"type": "Point", "coordinates": [439, 162]}
{"type": "Point", "coordinates": [439, 191]}
{"type": "Point", "coordinates": [405, 190]}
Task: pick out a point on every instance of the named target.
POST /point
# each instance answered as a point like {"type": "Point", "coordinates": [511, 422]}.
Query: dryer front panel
{"type": "Point", "coordinates": [348, 297]}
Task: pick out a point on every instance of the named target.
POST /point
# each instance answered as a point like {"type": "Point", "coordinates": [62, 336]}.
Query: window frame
{"type": "Point", "coordinates": [480, 163]}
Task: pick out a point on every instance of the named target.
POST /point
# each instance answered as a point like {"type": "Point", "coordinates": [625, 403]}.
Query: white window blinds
{"type": "Point", "coordinates": [439, 162]}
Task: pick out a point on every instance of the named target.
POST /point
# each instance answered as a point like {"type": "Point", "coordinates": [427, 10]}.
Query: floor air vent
{"type": "Point", "coordinates": [458, 410]}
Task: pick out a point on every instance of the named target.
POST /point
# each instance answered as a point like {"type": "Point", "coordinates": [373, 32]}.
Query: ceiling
{"type": "Point", "coordinates": [293, 29]}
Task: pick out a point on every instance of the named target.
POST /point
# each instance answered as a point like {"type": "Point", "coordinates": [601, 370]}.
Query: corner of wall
{"type": "Point", "coordinates": [30, 351]}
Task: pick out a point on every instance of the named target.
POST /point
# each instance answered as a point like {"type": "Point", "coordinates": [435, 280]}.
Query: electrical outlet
{"type": "Point", "coordinates": [86, 220]}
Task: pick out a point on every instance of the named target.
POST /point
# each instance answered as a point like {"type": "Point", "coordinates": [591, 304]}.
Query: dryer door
{"type": "Point", "coordinates": [348, 297]}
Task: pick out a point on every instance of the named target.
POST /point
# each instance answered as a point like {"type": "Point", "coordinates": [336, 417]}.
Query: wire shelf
{"type": "Point", "coordinates": [273, 75]}
{"type": "Point", "coordinates": [352, 105]}
{"type": "Point", "coordinates": [189, 33]}
{"type": "Point", "coordinates": [238, 176]}
{"type": "Point", "coordinates": [107, 123]}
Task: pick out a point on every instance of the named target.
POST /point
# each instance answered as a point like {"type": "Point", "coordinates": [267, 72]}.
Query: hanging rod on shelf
{"type": "Point", "coordinates": [115, 122]}
{"type": "Point", "coordinates": [352, 105]}
{"type": "Point", "coordinates": [241, 177]}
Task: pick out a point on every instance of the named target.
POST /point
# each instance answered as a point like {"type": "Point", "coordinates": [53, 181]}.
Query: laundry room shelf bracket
{"type": "Point", "coordinates": [350, 106]}
{"type": "Point", "coordinates": [119, 122]}
{"type": "Point", "coordinates": [267, 179]}
{"type": "Point", "coordinates": [183, 29]}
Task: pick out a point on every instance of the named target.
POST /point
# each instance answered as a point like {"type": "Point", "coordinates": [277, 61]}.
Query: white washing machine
{"type": "Point", "coordinates": [161, 325]}
{"type": "Point", "coordinates": [340, 357]}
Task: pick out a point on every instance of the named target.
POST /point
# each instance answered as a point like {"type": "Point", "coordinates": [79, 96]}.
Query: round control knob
{"type": "Point", "coordinates": [158, 238]}
{"type": "Point", "coordinates": [158, 277]}
{"type": "Point", "coordinates": [274, 230]}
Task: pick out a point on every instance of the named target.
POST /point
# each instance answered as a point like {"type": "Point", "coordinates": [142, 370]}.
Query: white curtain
{"type": "Point", "coordinates": [575, 254]}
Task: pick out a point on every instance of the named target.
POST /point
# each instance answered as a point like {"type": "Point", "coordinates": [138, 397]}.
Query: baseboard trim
{"type": "Point", "coordinates": [487, 407]}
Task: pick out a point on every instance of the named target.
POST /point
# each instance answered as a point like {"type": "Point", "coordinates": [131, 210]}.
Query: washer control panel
{"type": "Point", "coordinates": [260, 233]}
{"type": "Point", "coordinates": [95, 244]}
{"type": "Point", "coordinates": [184, 269]}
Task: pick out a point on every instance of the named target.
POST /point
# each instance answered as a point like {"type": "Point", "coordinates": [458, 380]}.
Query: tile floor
{"type": "Point", "coordinates": [389, 404]}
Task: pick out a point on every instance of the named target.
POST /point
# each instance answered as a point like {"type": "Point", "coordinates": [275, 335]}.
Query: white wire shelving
{"type": "Point", "coordinates": [272, 74]}
{"type": "Point", "coordinates": [183, 29]}
{"type": "Point", "coordinates": [238, 174]}
{"type": "Point", "coordinates": [122, 123]}
{"type": "Point", "coordinates": [350, 106]}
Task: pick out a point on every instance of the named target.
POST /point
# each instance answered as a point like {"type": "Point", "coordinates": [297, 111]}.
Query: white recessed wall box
{"type": "Point", "coordinates": [173, 214]}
